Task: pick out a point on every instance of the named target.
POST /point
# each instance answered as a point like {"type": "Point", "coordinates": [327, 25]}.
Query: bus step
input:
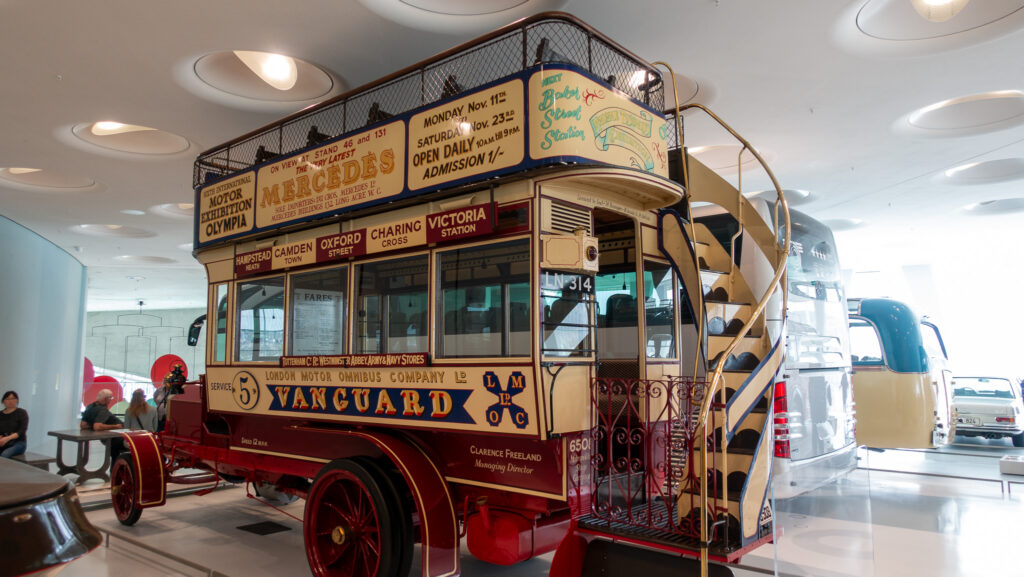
{"type": "Point", "coordinates": [620, 560]}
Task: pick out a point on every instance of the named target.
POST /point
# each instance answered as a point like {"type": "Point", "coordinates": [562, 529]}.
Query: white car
{"type": "Point", "coordinates": [988, 407]}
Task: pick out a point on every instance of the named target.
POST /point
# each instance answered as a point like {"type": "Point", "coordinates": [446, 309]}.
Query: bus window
{"type": "Point", "coordinates": [865, 345]}
{"type": "Point", "coordinates": [391, 306]}
{"type": "Point", "coordinates": [932, 341]}
{"type": "Point", "coordinates": [567, 300]}
{"type": "Point", "coordinates": [318, 312]}
{"type": "Point", "coordinates": [659, 310]}
{"type": "Point", "coordinates": [485, 301]}
{"type": "Point", "coordinates": [260, 321]}
{"type": "Point", "coordinates": [617, 314]}
{"type": "Point", "coordinates": [220, 324]}
{"type": "Point", "coordinates": [816, 310]}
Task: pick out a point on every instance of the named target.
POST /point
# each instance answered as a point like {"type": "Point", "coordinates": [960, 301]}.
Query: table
{"type": "Point", "coordinates": [83, 437]}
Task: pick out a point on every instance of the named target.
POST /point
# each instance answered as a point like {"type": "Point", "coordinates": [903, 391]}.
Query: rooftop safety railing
{"type": "Point", "coordinates": [550, 37]}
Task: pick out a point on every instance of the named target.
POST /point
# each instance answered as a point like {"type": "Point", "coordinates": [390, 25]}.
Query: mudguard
{"type": "Point", "coordinates": [148, 466]}
{"type": "Point", "coordinates": [438, 529]}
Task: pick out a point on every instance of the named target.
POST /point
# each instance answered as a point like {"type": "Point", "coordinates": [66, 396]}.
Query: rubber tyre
{"type": "Point", "coordinates": [1018, 440]}
{"type": "Point", "coordinates": [124, 490]}
{"type": "Point", "coordinates": [390, 482]}
{"type": "Point", "coordinates": [350, 526]}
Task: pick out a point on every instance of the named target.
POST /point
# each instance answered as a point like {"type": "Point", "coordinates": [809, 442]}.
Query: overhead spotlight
{"type": "Point", "coordinates": [274, 69]}
{"type": "Point", "coordinates": [17, 170]}
{"type": "Point", "coordinates": [938, 10]}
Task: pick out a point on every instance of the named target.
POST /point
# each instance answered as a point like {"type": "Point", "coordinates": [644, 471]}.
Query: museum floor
{"type": "Point", "coordinates": [903, 513]}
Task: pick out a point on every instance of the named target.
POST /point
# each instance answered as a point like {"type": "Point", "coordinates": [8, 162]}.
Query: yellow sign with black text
{"type": "Point", "coordinates": [468, 136]}
{"type": "Point", "coordinates": [226, 208]}
{"type": "Point", "coordinates": [362, 168]}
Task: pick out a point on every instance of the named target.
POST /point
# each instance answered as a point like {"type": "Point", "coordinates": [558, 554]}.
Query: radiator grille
{"type": "Point", "coordinates": [568, 218]}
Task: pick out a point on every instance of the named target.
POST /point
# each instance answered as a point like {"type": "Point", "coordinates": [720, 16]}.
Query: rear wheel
{"type": "Point", "coordinates": [351, 528]}
{"type": "Point", "coordinates": [1018, 440]}
{"type": "Point", "coordinates": [124, 490]}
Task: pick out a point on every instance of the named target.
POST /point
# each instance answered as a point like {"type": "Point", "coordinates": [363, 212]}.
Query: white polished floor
{"type": "Point", "coordinates": [893, 517]}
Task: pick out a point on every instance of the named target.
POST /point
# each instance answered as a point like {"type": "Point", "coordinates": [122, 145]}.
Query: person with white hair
{"type": "Point", "coordinates": [97, 415]}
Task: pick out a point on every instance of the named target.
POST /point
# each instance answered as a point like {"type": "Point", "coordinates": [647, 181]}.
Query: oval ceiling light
{"type": "Point", "coordinates": [133, 212]}
{"type": "Point", "coordinates": [794, 196]}
{"type": "Point", "coordinates": [275, 69]}
{"type": "Point", "coordinates": [917, 27]}
{"type": "Point", "coordinates": [174, 209]}
{"type": "Point", "coordinates": [39, 179]}
{"type": "Point", "coordinates": [996, 207]}
{"type": "Point", "coordinates": [839, 224]}
{"type": "Point", "coordinates": [457, 16]}
{"type": "Point", "coordinates": [132, 138]}
{"type": "Point", "coordinates": [974, 114]}
{"type": "Point", "coordinates": [725, 158]}
{"type": "Point", "coordinates": [261, 77]}
{"type": "Point", "coordinates": [938, 10]}
{"type": "Point", "coordinates": [111, 230]}
{"type": "Point", "coordinates": [136, 259]}
{"type": "Point", "coordinates": [987, 172]}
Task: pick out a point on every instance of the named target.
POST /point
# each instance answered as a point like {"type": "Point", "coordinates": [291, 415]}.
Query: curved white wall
{"type": "Point", "coordinates": [42, 315]}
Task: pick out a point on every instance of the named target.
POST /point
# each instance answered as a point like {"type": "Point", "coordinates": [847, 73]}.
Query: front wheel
{"type": "Point", "coordinates": [351, 529]}
{"type": "Point", "coordinates": [1018, 439]}
{"type": "Point", "coordinates": [124, 490]}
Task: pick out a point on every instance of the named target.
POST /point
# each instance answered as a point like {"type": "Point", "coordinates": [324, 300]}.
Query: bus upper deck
{"type": "Point", "coordinates": [545, 91]}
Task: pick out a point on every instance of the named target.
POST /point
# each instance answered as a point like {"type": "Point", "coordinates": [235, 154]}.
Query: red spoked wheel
{"type": "Point", "coordinates": [350, 529]}
{"type": "Point", "coordinates": [124, 490]}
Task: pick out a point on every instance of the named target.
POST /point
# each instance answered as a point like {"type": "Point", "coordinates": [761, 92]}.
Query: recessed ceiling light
{"type": "Point", "coordinates": [108, 127]}
{"type": "Point", "coordinates": [458, 15]}
{"type": "Point", "coordinates": [136, 278]}
{"type": "Point", "coordinates": [972, 114]}
{"type": "Point", "coordinates": [907, 28]}
{"type": "Point", "coordinates": [131, 138]}
{"type": "Point", "coordinates": [138, 259]}
{"type": "Point", "coordinates": [275, 69]}
{"type": "Point", "coordinates": [38, 179]}
{"type": "Point", "coordinates": [996, 207]}
{"type": "Point", "coordinates": [986, 172]}
{"type": "Point", "coordinates": [133, 212]}
{"type": "Point", "coordinates": [938, 10]}
{"type": "Point", "coordinates": [174, 209]}
{"type": "Point", "coordinates": [251, 76]}
{"type": "Point", "coordinates": [113, 230]}
{"type": "Point", "coordinates": [838, 224]}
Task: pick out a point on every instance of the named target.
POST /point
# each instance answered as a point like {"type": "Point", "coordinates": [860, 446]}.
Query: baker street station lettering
{"type": "Point", "coordinates": [412, 404]}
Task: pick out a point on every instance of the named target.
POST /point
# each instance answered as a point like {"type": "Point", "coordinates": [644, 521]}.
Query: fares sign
{"type": "Point", "coordinates": [572, 115]}
{"type": "Point", "coordinates": [362, 168]}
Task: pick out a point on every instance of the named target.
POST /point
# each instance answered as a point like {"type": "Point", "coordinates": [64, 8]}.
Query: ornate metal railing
{"type": "Point", "coordinates": [642, 453]}
{"type": "Point", "coordinates": [544, 38]}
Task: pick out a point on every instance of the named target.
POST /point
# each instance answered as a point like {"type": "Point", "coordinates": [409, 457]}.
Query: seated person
{"type": "Point", "coordinates": [98, 417]}
{"type": "Point", "coordinates": [139, 415]}
{"type": "Point", "coordinates": [13, 425]}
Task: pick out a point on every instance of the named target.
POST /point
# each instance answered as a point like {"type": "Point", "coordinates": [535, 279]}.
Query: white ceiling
{"type": "Point", "coordinates": [826, 103]}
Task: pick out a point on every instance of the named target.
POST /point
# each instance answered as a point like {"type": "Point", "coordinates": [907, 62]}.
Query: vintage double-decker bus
{"type": "Point", "coordinates": [463, 303]}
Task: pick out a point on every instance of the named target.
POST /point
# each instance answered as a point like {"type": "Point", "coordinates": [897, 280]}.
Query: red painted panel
{"type": "Point", "coordinates": [510, 461]}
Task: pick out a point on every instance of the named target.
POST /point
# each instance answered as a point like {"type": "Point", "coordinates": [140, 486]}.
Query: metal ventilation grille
{"type": "Point", "coordinates": [569, 218]}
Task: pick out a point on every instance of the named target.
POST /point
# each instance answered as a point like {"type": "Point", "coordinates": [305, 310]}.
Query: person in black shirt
{"type": "Point", "coordinates": [97, 416]}
{"type": "Point", "coordinates": [13, 425]}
